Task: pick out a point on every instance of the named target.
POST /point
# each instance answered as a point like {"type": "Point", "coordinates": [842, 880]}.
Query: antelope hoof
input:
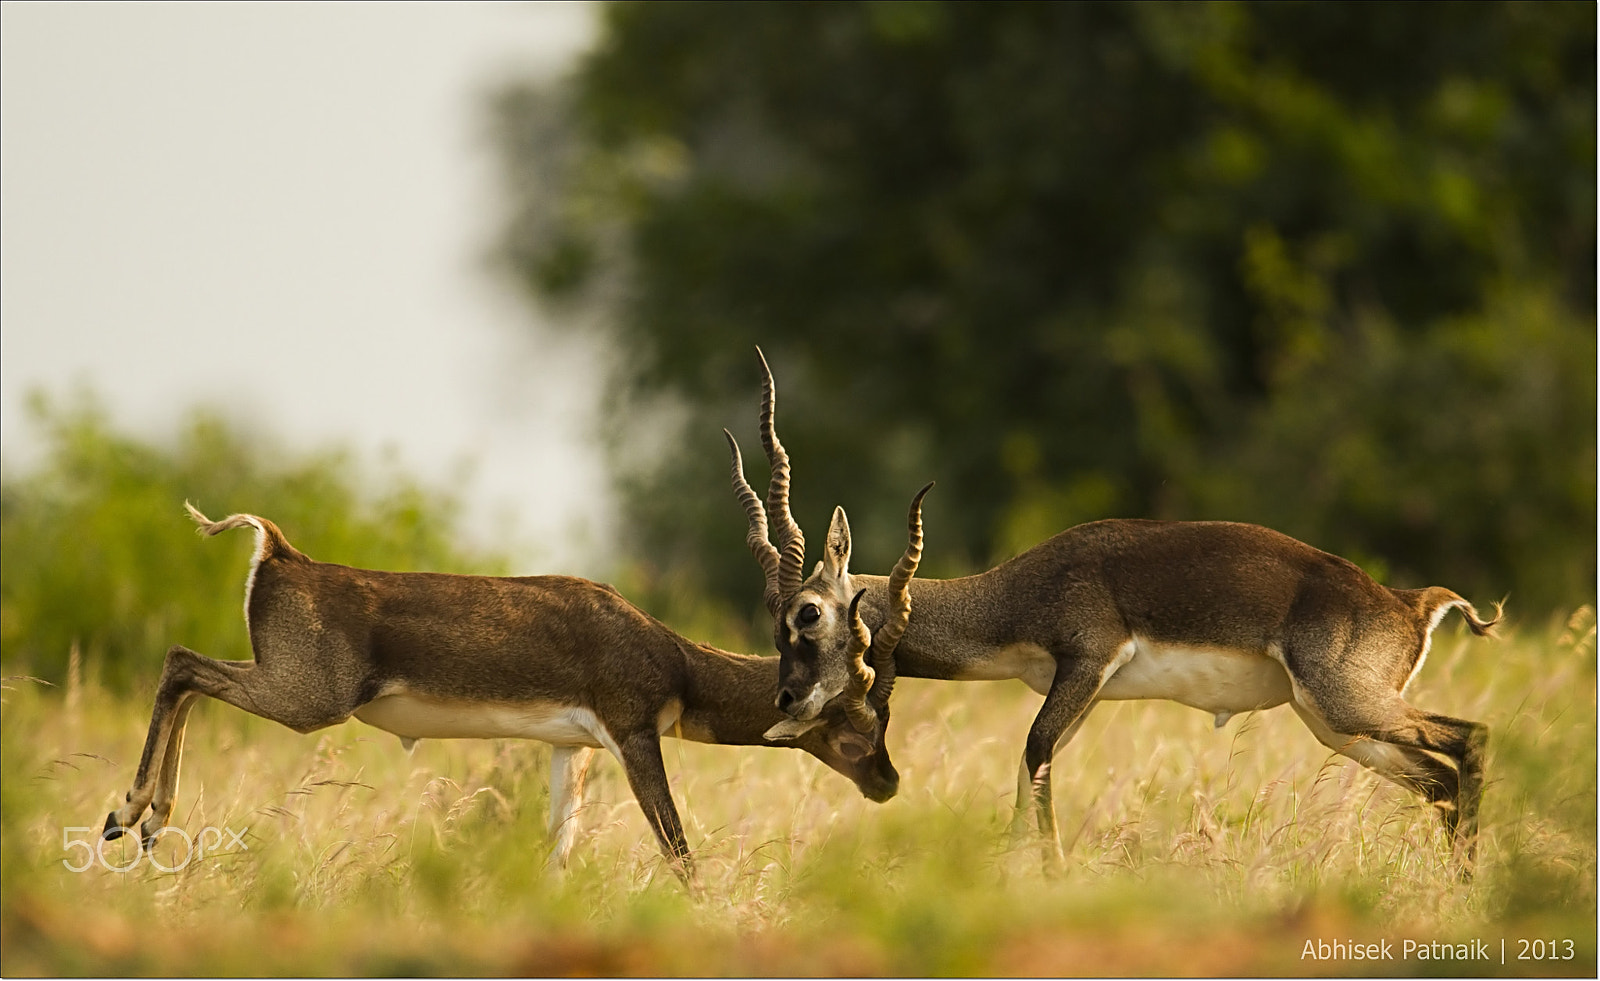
{"type": "Point", "coordinates": [1464, 856]}
{"type": "Point", "coordinates": [112, 831]}
{"type": "Point", "coordinates": [151, 830]}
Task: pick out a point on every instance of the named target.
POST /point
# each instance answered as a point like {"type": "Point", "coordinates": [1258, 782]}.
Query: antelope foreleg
{"type": "Point", "coordinates": [1025, 798]}
{"type": "Point", "coordinates": [1065, 707]}
{"type": "Point", "coordinates": [647, 776]}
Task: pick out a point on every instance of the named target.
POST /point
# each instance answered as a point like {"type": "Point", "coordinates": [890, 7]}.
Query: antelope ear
{"type": "Point", "coordinates": [836, 553]}
{"type": "Point", "coordinates": [853, 746]}
{"type": "Point", "coordinates": [791, 729]}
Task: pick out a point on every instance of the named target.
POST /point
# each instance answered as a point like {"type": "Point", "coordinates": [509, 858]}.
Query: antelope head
{"type": "Point", "coordinates": [825, 649]}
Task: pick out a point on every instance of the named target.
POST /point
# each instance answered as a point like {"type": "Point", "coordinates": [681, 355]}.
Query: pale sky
{"type": "Point", "coordinates": [283, 211]}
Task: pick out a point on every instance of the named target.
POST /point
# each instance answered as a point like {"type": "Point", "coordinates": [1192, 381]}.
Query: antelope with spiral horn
{"type": "Point", "coordinates": [433, 656]}
{"type": "Point", "coordinates": [1220, 616]}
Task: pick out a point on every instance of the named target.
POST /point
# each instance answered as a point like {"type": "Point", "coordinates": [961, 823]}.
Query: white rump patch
{"type": "Point", "coordinates": [255, 563]}
{"type": "Point", "coordinates": [1427, 642]}
{"type": "Point", "coordinates": [1219, 680]}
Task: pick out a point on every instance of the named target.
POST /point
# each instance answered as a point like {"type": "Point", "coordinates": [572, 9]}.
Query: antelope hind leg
{"type": "Point", "coordinates": [647, 777]}
{"type": "Point", "coordinates": [1462, 742]}
{"type": "Point", "coordinates": [1400, 747]}
{"type": "Point", "coordinates": [174, 690]}
{"type": "Point", "coordinates": [242, 684]}
{"type": "Point", "coordinates": [166, 783]}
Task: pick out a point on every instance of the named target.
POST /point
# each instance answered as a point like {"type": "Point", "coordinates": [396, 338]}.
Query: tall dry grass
{"type": "Point", "coordinates": [1190, 850]}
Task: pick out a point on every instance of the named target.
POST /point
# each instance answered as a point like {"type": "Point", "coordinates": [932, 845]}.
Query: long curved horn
{"type": "Point", "coordinates": [857, 706]}
{"type": "Point", "coordinates": [756, 538]}
{"type": "Point", "coordinates": [791, 542]}
{"type": "Point", "coordinates": [888, 636]}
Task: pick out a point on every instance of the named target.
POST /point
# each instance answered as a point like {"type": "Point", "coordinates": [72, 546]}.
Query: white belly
{"type": "Point", "coordinates": [1218, 680]}
{"type": "Point", "coordinates": [412, 716]}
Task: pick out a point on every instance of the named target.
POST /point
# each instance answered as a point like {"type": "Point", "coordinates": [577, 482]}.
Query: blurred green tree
{"type": "Point", "coordinates": [1329, 267]}
{"type": "Point", "coordinates": [96, 551]}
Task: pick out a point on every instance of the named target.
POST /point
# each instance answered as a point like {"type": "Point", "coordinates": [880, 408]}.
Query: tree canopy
{"type": "Point", "coordinates": [1327, 267]}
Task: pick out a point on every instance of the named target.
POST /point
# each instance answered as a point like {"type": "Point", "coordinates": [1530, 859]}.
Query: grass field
{"type": "Point", "coordinates": [1190, 851]}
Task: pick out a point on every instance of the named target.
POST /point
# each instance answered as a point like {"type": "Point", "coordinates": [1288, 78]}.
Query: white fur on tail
{"type": "Point", "coordinates": [209, 528]}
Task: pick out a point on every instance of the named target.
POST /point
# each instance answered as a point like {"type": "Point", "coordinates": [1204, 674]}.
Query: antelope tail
{"type": "Point", "coordinates": [269, 539]}
{"type": "Point", "coordinates": [1438, 601]}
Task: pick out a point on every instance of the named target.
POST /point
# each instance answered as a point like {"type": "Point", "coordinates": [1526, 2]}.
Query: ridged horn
{"type": "Point", "coordinates": [791, 543]}
{"type": "Point", "coordinates": [756, 538]}
{"type": "Point", "coordinates": [857, 706]}
{"type": "Point", "coordinates": [888, 636]}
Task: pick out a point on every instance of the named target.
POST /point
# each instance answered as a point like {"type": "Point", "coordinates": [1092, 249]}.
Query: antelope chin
{"type": "Point", "coordinates": [880, 791]}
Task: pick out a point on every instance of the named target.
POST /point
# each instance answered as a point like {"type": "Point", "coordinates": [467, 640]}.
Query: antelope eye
{"type": "Point", "coordinates": [808, 615]}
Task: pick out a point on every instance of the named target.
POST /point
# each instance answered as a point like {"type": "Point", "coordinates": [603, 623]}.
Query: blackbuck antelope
{"type": "Point", "coordinates": [433, 656]}
{"type": "Point", "coordinates": [1224, 617]}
